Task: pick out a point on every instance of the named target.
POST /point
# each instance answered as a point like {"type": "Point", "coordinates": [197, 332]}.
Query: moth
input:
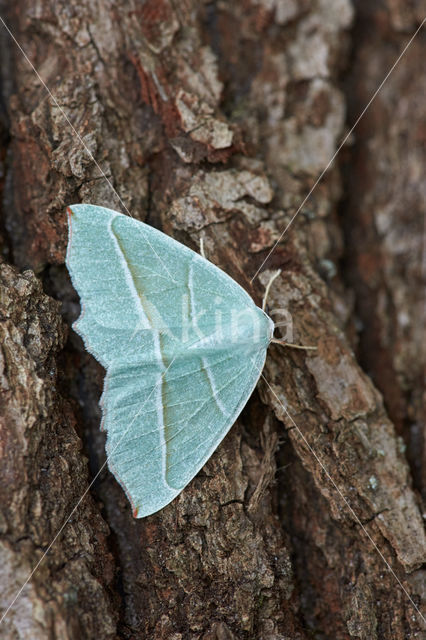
{"type": "Point", "coordinates": [182, 343]}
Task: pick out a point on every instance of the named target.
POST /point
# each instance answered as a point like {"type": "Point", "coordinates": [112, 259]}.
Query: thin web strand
{"type": "Point", "coordinates": [85, 492]}
{"type": "Point", "coordinates": [345, 500]}
{"type": "Point", "coordinates": [324, 171]}
{"type": "Point", "coordinates": [84, 145]}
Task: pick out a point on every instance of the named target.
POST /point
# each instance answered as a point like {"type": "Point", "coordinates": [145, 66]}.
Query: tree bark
{"type": "Point", "coordinates": [212, 120]}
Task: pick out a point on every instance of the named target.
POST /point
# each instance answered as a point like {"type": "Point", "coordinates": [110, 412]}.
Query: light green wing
{"type": "Point", "coordinates": [136, 284]}
{"type": "Point", "coordinates": [173, 421]}
{"type": "Point", "coordinates": [150, 307]}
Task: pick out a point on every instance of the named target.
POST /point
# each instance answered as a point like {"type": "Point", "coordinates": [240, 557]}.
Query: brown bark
{"type": "Point", "coordinates": [213, 120]}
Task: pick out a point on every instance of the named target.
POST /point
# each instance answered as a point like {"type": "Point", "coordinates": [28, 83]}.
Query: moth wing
{"type": "Point", "coordinates": [135, 281]}
{"type": "Point", "coordinates": [163, 427]}
{"type": "Point", "coordinates": [145, 298]}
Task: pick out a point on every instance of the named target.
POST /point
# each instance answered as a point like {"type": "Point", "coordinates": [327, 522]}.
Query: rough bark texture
{"type": "Point", "coordinates": [212, 120]}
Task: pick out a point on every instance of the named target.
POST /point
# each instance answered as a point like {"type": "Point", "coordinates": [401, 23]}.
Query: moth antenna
{"type": "Point", "coordinates": [268, 286]}
{"type": "Point", "coordinates": [283, 343]}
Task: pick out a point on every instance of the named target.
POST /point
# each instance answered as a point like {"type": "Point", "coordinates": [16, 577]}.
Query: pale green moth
{"type": "Point", "coordinates": [182, 343]}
